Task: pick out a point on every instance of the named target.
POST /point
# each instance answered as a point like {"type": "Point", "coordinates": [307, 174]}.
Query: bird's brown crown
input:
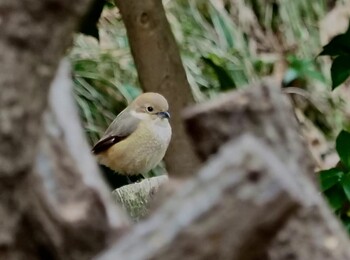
{"type": "Point", "coordinates": [155, 100]}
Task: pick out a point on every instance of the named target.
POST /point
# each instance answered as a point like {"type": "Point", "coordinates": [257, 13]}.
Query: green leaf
{"type": "Point", "coordinates": [336, 197]}
{"type": "Point", "coordinates": [222, 26]}
{"type": "Point", "coordinates": [301, 69]}
{"type": "Point", "coordinates": [342, 145]}
{"type": "Point", "coordinates": [340, 70]}
{"type": "Point", "coordinates": [345, 182]}
{"type": "Point", "coordinates": [346, 222]}
{"type": "Point", "coordinates": [339, 45]}
{"type": "Point", "coordinates": [328, 178]}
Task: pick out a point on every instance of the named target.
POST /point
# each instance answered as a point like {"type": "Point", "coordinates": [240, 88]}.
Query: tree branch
{"type": "Point", "coordinates": [137, 198]}
{"type": "Point", "coordinates": [238, 201]}
{"type": "Point", "coordinates": [64, 119]}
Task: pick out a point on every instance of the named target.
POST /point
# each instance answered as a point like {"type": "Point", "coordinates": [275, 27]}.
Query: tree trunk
{"type": "Point", "coordinates": [46, 207]}
{"type": "Point", "coordinates": [160, 70]}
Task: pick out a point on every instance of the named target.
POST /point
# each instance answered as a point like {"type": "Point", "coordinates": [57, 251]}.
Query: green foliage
{"type": "Point", "coordinates": [225, 80]}
{"type": "Point", "coordinates": [330, 177]}
{"type": "Point", "coordinates": [212, 48]}
{"type": "Point", "coordinates": [340, 70]}
{"type": "Point", "coordinates": [232, 42]}
{"type": "Point", "coordinates": [339, 46]}
{"type": "Point", "coordinates": [302, 69]}
{"type": "Point", "coordinates": [335, 182]}
{"type": "Point", "coordinates": [105, 81]}
{"type": "Point", "coordinates": [343, 148]}
{"type": "Point", "coordinates": [336, 198]}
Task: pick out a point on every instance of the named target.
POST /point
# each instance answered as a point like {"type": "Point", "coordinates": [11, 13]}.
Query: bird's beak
{"type": "Point", "coordinates": [164, 114]}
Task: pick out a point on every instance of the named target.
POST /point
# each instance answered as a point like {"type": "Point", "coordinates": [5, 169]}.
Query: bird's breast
{"type": "Point", "coordinates": [160, 132]}
{"type": "Point", "coordinates": [141, 151]}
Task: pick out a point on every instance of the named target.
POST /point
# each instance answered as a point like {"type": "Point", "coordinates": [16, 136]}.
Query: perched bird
{"type": "Point", "coordinates": [136, 141]}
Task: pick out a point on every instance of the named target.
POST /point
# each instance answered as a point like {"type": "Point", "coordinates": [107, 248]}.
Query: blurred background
{"type": "Point", "coordinates": [225, 45]}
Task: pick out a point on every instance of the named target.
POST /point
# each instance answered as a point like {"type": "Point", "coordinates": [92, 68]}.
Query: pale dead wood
{"type": "Point", "coordinates": [63, 110]}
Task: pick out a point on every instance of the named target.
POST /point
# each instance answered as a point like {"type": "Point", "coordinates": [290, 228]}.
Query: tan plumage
{"type": "Point", "coordinates": [136, 141]}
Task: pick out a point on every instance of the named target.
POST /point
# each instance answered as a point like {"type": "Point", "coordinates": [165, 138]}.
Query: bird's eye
{"type": "Point", "coordinates": [149, 109]}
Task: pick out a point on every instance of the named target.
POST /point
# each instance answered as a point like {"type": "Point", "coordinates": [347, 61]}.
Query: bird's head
{"type": "Point", "coordinates": [150, 106]}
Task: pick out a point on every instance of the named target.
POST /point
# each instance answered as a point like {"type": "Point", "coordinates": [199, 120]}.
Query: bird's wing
{"type": "Point", "coordinates": [123, 126]}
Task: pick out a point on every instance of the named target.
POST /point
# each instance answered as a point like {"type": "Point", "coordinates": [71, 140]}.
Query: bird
{"type": "Point", "coordinates": [138, 138]}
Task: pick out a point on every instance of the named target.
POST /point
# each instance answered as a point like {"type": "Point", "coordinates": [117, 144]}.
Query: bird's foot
{"type": "Point", "coordinates": [135, 178]}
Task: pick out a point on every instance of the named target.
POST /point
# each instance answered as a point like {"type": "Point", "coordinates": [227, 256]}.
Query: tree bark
{"type": "Point", "coordinates": [29, 54]}
{"type": "Point", "coordinates": [262, 110]}
{"type": "Point", "coordinates": [159, 67]}
{"type": "Point", "coordinates": [46, 207]}
{"type": "Point", "coordinates": [236, 203]}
